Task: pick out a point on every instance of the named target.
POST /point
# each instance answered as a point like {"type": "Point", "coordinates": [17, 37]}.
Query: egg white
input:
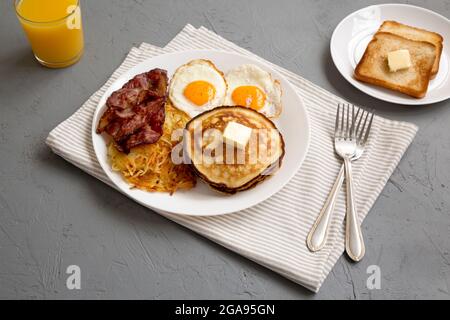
{"type": "Point", "coordinates": [197, 70]}
{"type": "Point", "coordinates": [252, 75]}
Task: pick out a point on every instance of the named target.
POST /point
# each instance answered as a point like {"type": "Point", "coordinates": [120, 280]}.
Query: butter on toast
{"type": "Point", "coordinates": [373, 67]}
{"type": "Point", "coordinates": [416, 34]}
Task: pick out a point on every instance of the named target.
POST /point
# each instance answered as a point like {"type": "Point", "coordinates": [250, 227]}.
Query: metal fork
{"type": "Point", "coordinates": [317, 237]}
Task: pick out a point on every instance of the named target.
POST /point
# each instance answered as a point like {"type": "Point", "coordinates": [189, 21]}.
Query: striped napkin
{"type": "Point", "coordinates": [274, 232]}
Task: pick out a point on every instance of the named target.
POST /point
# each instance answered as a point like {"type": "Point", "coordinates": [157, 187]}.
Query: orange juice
{"type": "Point", "coordinates": [54, 30]}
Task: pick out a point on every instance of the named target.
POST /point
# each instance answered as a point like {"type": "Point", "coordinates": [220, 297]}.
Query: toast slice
{"type": "Point", "coordinates": [373, 67]}
{"type": "Point", "coordinates": [416, 34]}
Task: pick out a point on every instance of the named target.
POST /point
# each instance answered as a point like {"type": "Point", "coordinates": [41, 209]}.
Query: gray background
{"type": "Point", "coordinates": [53, 215]}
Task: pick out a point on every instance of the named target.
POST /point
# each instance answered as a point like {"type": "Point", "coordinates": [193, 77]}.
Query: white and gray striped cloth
{"type": "Point", "coordinates": [274, 232]}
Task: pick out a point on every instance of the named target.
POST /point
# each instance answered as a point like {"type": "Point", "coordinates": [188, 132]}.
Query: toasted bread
{"type": "Point", "coordinates": [416, 34]}
{"type": "Point", "coordinates": [373, 67]}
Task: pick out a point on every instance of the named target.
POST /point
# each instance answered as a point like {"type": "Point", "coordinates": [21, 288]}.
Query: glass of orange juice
{"type": "Point", "coordinates": [54, 30]}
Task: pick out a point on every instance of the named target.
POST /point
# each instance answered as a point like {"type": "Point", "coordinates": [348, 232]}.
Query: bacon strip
{"type": "Point", "coordinates": [135, 113]}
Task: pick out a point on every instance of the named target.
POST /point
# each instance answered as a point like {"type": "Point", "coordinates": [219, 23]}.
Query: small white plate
{"type": "Point", "coordinates": [353, 34]}
{"type": "Point", "coordinates": [201, 200]}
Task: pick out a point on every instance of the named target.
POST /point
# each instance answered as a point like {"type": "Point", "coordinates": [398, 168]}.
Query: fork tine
{"type": "Point", "coordinates": [336, 130]}
{"type": "Point", "coordinates": [363, 127]}
{"type": "Point", "coordinates": [342, 121]}
{"type": "Point", "coordinates": [357, 115]}
{"type": "Point", "coordinates": [369, 127]}
{"type": "Point", "coordinates": [347, 129]}
{"type": "Point", "coordinates": [359, 122]}
{"type": "Point", "coordinates": [352, 129]}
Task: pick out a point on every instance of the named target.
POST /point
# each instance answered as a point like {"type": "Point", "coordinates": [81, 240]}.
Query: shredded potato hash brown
{"type": "Point", "coordinates": [149, 167]}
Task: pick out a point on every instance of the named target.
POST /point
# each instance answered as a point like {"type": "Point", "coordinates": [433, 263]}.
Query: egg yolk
{"type": "Point", "coordinates": [200, 92]}
{"type": "Point", "coordinates": [249, 96]}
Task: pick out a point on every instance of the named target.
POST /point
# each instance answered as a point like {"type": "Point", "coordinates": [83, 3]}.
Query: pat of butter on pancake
{"type": "Point", "coordinates": [237, 134]}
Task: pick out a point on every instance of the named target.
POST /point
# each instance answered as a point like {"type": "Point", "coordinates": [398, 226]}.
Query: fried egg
{"type": "Point", "coordinates": [252, 87]}
{"type": "Point", "coordinates": [196, 87]}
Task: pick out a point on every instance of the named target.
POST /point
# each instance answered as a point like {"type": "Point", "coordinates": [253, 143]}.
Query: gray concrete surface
{"type": "Point", "coordinates": [53, 215]}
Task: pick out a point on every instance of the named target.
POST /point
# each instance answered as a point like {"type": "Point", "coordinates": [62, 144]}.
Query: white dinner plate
{"type": "Point", "coordinates": [201, 200]}
{"type": "Point", "coordinates": [353, 34]}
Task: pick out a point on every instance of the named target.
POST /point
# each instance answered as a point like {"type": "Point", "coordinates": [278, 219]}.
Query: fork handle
{"type": "Point", "coordinates": [354, 242]}
{"type": "Point", "coordinates": [317, 236]}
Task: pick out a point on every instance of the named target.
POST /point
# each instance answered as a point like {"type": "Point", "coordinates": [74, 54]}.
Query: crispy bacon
{"type": "Point", "coordinates": [144, 136]}
{"type": "Point", "coordinates": [135, 113]}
